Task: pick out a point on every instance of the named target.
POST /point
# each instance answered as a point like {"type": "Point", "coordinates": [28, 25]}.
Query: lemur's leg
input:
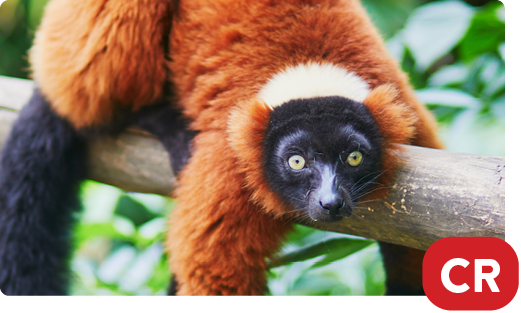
{"type": "Point", "coordinates": [172, 287]}
{"type": "Point", "coordinates": [41, 166]}
{"type": "Point", "coordinates": [93, 57]}
{"type": "Point", "coordinates": [218, 240]}
{"type": "Point", "coordinates": [403, 266]}
{"type": "Point", "coordinates": [171, 128]}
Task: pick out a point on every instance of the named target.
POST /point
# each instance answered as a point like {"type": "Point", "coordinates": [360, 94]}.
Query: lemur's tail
{"type": "Point", "coordinates": [41, 167]}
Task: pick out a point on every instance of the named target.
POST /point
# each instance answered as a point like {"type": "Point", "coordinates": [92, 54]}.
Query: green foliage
{"type": "Point", "coordinates": [118, 242]}
{"type": "Point", "coordinates": [434, 29]}
{"type": "Point", "coordinates": [455, 57]}
{"type": "Point", "coordinates": [18, 22]}
{"type": "Point", "coordinates": [486, 33]}
{"type": "Point", "coordinates": [313, 262]}
{"type": "Point", "coordinates": [332, 249]}
{"type": "Point", "coordinates": [390, 16]}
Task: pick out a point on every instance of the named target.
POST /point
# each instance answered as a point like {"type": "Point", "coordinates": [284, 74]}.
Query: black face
{"type": "Point", "coordinates": [322, 154]}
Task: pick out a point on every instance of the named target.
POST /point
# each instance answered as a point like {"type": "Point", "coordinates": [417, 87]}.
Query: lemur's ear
{"type": "Point", "coordinates": [247, 126]}
{"type": "Point", "coordinates": [395, 119]}
{"type": "Point", "coordinates": [396, 122]}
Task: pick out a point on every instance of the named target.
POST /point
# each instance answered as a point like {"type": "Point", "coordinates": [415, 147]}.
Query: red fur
{"type": "Point", "coordinates": [247, 126]}
{"type": "Point", "coordinates": [92, 57]}
{"type": "Point", "coordinates": [396, 121]}
{"type": "Point", "coordinates": [218, 240]}
{"type": "Point", "coordinates": [223, 52]}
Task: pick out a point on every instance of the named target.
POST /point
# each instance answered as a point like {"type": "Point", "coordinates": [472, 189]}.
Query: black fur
{"type": "Point", "coordinates": [397, 265]}
{"type": "Point", "coordinates": [162, 120]}
{"type": "Point", "coordinates": [171, 128]}
{"type": "Point", "coordinates": [42, 164]}
{"type": "Point", "coordinates": [324, 131]}
{"type": "Point", "coordinates": [172, 288]}
{"type": "Point", "coordinates": [41, 167]}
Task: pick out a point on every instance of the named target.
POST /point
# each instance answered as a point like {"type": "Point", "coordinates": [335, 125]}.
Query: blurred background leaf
{"type": "Point", "coordinates": [435, 29]}
{"type": "Point", "coordinates": [454, 53]}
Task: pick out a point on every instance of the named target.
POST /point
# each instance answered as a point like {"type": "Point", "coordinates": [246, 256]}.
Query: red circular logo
{"type": "Point", "coordinates": [470, 273]}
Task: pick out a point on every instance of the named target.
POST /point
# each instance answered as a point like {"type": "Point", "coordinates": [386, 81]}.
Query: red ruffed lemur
{"type": "Point", "coordinates": [279, 108]}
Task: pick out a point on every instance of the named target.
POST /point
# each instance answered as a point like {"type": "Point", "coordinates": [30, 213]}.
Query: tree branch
{"type": "Point", "coordinates": [436, 194]}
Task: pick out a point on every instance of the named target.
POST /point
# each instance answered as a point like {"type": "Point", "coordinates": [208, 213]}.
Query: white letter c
{"type": "Point", "coordinates": [445, 275]}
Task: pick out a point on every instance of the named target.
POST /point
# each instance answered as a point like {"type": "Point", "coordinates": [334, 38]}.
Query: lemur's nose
{"type": "Point", "coordinates": [333, 204]}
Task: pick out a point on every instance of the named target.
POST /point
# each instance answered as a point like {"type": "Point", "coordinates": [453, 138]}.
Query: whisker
{"type": "Point", "coordinates": [288, 212]}
{"type": "Point", "coordinates": [372, 173]}
{"type": "Point", "coordinates": [364, 186]}
{"type": "Point", "coordinates": [370, 191]}
{"type": "Point", "coordinates": [356, 215]}
{"type": "Point", "coordinates": [297, 218]}
{"type": "Point", "coordinates": [300, 219]}
{"type": "Point", "coordinates": [367, 183]}
{"type": "Point", "coordinates": [366, 201]}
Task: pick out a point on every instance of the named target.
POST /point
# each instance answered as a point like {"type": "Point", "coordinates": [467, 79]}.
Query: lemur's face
{"type": "Point", "coordinates": [321, 155]}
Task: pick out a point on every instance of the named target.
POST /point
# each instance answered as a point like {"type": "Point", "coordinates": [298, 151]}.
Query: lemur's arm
{"type": "Point", "coordinates": [218, 240]}
{"type": "Point", "coordinates": [92, 57]}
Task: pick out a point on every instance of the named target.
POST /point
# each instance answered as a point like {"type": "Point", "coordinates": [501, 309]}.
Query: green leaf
{"type": "Point", "coordinates": [156, 204]}
{"type": "Point", "coordinates": [133, 210]}
{"type": "Point", "coordinates": [474, 133]}
{"type": "Point", "coordinates": [319, 284]}
{"type": "Point", "coordinates": [501, 50]}
{"type": "Point", "coordinates": [99, 201]}
{"type": "Point", "coordinates": [447, 97]}
{"type": "Point", "coordinates": [124, 226]}
{"type": "Point", "coordinates": [300, 234]}
{"type": "Point", "coordinates": [449, 75]}
{"type": "Point", "coordinates": [152, 229]}
{"type": "Point", "coordinates": [435, 29]}
{"type": "Point", "coordinates": [142, 269]}
{"type": "Point", "coordinates": [389, 16]}
{"type": "Point", "coordinates": [498, 107]}
{"type": "Point", "coordinates": [335, 247]}
{"type": "Point", "coordinates": [493, 67]}
{"type": "Point", "coordinates": [493, 77]}
{"type": "Point", "coordinates": [36, 8]}
{"type": "Point", "coordinates": [113, 267]}
{"type": "Point", "coordinates": [374, 275]}
{"type": "Point", "coordinates": [84, 232]}
{"type": "Point", "coordinates": [486, 33]}
{"type": "Point", "coordinates": [341, 251]}
{"type": "Point", "coordinates": [161, 276]}
{"type": "Point", "coordinates": [151, 232]}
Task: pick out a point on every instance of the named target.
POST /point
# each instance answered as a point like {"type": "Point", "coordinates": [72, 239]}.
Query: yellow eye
{"type": "Point", "coordinates": [296, 162]}
{"type": "Point", "coordinates": [355, 158]}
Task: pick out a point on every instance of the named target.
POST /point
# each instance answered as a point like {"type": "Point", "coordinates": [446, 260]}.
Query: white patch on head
{"type": "Point", "coordinates": [313, 80]}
